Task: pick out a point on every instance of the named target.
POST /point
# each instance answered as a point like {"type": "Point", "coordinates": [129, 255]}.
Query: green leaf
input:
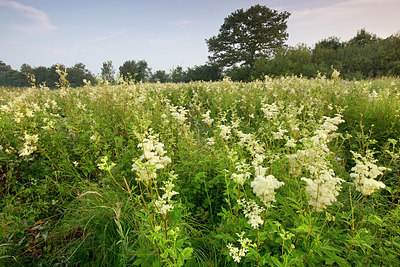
{"type": "Point", "coordinates": [187, 253]}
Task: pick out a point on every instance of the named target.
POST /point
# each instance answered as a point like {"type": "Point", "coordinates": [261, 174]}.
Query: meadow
{"type": "Point", "coordinates": [281, 172]}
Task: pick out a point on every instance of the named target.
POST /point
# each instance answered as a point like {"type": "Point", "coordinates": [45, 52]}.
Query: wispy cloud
{"type": "Point", "coordinates": [40, 22]}
{"type": "Point", "coordinates": [111, 35]}
{"type": "Point", "coordinates": [338, 10]}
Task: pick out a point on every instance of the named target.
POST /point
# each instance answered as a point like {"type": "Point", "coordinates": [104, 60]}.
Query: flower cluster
{"type": "Point", "coordinates": [323, 187]}
{"type": "Point", "coordinates": [365, 172]}
{"type": "Point", "coordinates": [164, 204]}
{"type": "Point", "coordinates": [237, 253]}
{"type": "Point", "coordinates": [271, 111]}
{"type": "Point", "coordinates": [242, 172]}
{"type": "Point", "coordinates": [29, 146]}
{"type": "Point", "coordinates": [251, 211]}
{"type": "Point", "coordinates": [154, 159]}
{"type": "Point", "coordinates": [323, 190]}
{"type": "Point", "coordinates": [225, 131]}
{"type": "Point", "coordinates": [179, 114]}
{"type": "Point", "coordinates": [264, 186]}
{"type": "Point", "coordinates": [207, 119]}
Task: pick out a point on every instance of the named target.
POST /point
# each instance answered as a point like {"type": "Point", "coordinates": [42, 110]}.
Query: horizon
{"type": "Point", "coordinates": [165, 34]}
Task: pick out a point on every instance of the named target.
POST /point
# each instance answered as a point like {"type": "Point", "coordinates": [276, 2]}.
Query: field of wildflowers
{"type": "Point", "coordinates": [280, 172]}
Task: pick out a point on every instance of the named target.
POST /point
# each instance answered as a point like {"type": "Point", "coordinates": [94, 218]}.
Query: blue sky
{"type": "Point", "coordinates": [165, 33]}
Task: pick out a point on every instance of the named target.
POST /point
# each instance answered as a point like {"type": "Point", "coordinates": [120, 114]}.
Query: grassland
{"type": "Point", "coordinates": [281, 172]}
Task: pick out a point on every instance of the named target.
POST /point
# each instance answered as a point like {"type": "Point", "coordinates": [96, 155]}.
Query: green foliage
{"type": "Point", "coordinates": [78, 73]}
{"type": "Point", "coordinates": [108, 71]}
{"type": "Point", "coordinates": [138, 71]}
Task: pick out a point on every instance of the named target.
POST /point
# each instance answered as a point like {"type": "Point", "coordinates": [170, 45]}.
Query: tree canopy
{"type": "Point", "coordinates": [139, 71]}
{"type": "Point", "coordinates": [247, 35]}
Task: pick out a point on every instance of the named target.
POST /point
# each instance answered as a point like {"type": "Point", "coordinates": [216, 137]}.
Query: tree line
{"type": "Point", "coordinates": [250, 45]}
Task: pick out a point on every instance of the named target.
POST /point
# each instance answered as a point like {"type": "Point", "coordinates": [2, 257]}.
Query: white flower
{"type": "Point", "coordinates": [264, 187]}
{"type": "Point", "coordinates": [323, 192]}
{"type": "Point", "coordinates": [29, 146]}
{"type": "Point", "coordinates": [225, 131]}
{"type": "Point", "coordinates": [164, 204]}
{"type": "Point", "coordinates": [210, 141]}
{"type": "Point", "coordinates": [365, 172]}
{"type": "Point", "coordinates": [270, 111]}
{"type": "Point", "coordinates": [154, 159]}
{"type": "Point", "coordinates": [179, 114]}
{"type": "Point", "coordinates": [290, 143]}
{"type": "Point", "coordinates": [252, 211]}
{"type": "Point", "coordinates": [237, 253]}
{"type": "Point", "coordinates": [207, 119]}
{"type": "Point", "coordinates": [242, 172]}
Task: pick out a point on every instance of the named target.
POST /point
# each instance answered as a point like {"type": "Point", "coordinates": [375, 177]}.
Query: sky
{"type": "Point", "coordinates": [165, 33]}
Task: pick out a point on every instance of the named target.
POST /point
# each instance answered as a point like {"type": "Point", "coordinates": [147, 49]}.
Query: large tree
{"type": "Point", "coordinates": [247, 35]}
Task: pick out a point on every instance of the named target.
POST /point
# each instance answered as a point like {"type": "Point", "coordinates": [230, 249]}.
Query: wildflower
{"type": "Point", "coordinates": [279, 134]}
{"type": "Point", "coordinates": [290, 143]}
{"type": "Point", "coordinates": [264, 186]}
{"type": "Point", "coordinates": [154, 159]}
{"type": "Point", "coordinates": [322, 192]}
{"type": "Point", "coordinates": [210, 141]}
{"type": "Point", "coordinates": [323, 187]}
{"type": "Point", "coordinates": [94, 138]}
{"type": "Point", "coordinates": [335, 74]}
{"type": "Point", "coordinates": [252, 211]}
{"type": "Point", "coordinates": [364, 173]}
{"type": "Point", "coordinates": [271, 111]}
{"type": "Point", "coordinates": [164, 204]}
{"type": "Point", "coordinates": [29, 146]}
{"type": "Point", "coordinates": [242, 172]}
{"type": "Point", "coordinates": [207, 119]}
{"type": "Point", "coordinates": [179, 114]}
{"type": "Point", "coordinates": [237, 253]}
{"type": "Point", "coordinates": [225, 132]}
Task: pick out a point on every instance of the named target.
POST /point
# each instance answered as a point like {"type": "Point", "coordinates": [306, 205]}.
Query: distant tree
{"type": "Point", "coordinates": [139, 71]}
{"type": "Point", "coordinates": [25, 68]}
{"type": "Point", "coordinates": [247, 35]}
{"type": "Point", "coordinates": [363, 38]}
{"type": "Point", "coordinates": [325, 54]}
{"type": "Point", "coordinates": [41, 75]}
{"type": "Point", "coordinates": [108, 71]}
{"type": "Point", "coordinates": [160, 76]}
{"type": "Point", "coordinates": [178, 75]}
{"type": "Point", "coordinates": [300, 61]}
{"type": "Point", "coordinates": [52, 77]}
{"type": "Point", "coordinates": [239, 73]}
{"type": "Point", "coordinates": [206, 72]}
{"type": "Point", "coordinates": [389, 56]}
{"type": "Point", "coordinates": [78, 73]}
{"type": "Point", "coordinates": [4, 68]}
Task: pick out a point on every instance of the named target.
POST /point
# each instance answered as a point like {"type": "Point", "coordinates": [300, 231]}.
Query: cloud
{"type": "Point", "coordinates": [110, 35]}
{"type": "Point", "coordinates": [338, 10]}
{"type": "Point", "coordinates": [40, 20]}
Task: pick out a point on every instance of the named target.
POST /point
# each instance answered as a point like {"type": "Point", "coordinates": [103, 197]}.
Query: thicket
{"type": "Point", "coordinates": [282, 172]}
